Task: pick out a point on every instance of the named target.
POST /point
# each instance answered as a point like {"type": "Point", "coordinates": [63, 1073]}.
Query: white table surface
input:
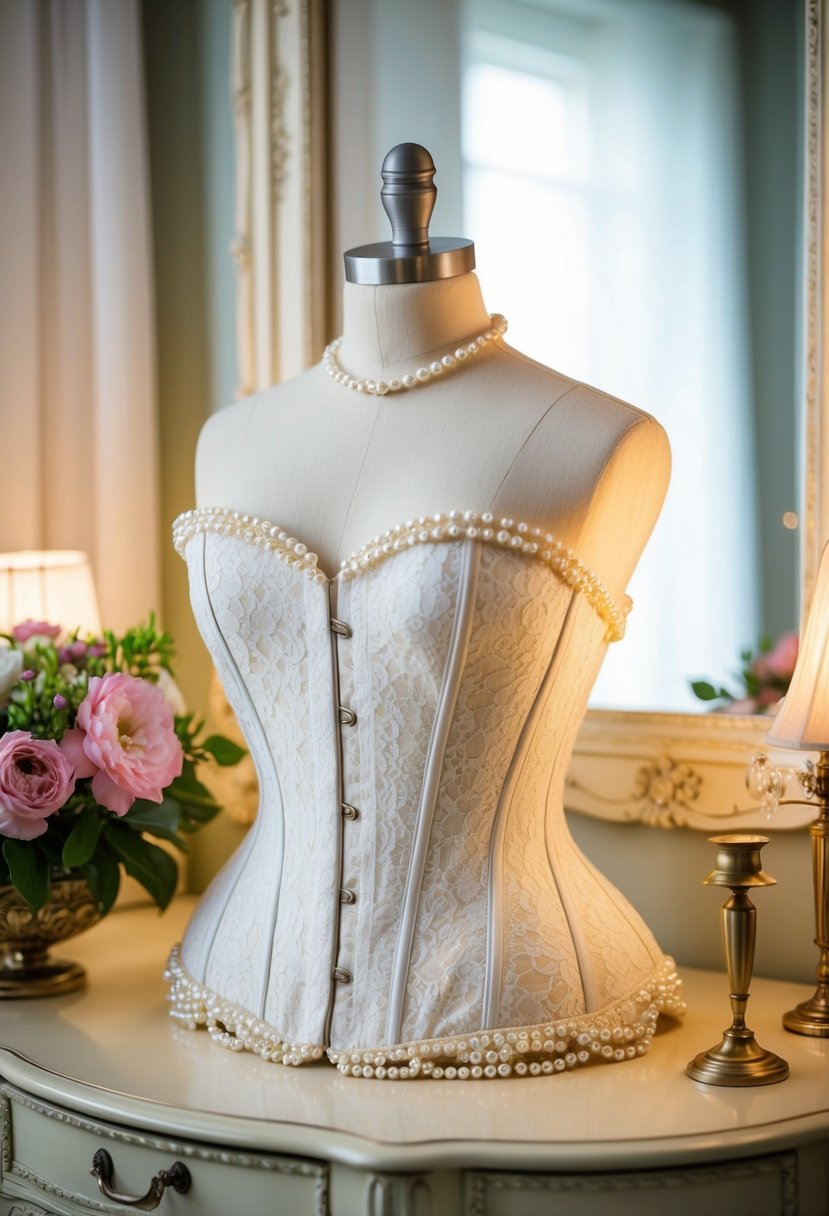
{"type": "Point", "coordinates": [112, 1052]}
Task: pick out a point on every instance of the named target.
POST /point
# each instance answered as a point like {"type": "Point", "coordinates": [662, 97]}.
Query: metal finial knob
{"type": "Point", "coordinates": [411, 256]}
{"type": "Point", "coordinates": [408, 193]}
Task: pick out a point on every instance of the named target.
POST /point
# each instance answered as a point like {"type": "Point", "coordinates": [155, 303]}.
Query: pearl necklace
{"type": "Point", "coordinates": [422, 375]}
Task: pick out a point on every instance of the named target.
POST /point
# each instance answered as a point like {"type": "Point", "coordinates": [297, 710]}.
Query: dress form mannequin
{"type": "Point", "coordinates": [409, 892]}
{"type": "Point", "coordinates": [502, 433]}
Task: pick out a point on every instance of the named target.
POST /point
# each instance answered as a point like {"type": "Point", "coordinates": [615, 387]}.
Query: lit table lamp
{"type": "Point", "coordinates": [802, 722]}
{"type": "Point", "coordinates": [52, 585]}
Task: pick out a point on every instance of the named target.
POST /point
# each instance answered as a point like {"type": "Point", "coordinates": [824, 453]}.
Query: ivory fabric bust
{"type": "Point", "coordinates": [408, 597]}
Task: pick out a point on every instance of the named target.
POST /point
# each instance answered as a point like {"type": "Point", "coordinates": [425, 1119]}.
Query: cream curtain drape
{"type": "Point", "coordinates": [78, 432]}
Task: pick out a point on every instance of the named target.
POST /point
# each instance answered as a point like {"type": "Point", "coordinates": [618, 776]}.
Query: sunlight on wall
{"type": "Point", "coordinates": [602, 183]}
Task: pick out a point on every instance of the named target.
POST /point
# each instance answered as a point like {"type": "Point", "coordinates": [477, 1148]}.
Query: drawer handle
{"type": "Point", "coordinates": [177, 1176]}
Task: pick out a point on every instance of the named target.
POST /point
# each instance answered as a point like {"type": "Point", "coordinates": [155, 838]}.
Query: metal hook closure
{"type": "Point", "coordinates": [177, 1176]}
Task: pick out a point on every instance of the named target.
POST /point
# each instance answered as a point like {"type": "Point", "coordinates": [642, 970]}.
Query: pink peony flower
{"type": "Point", "coordinates": [780, 661]}
{"type": "Point", "coordinates": [125, 741]}
{"type": "Point", "coordinates": [767, 697]}
{"type": "Point", "coordinates": [34, 629]}
{"type": "Point", "coordinates": [36, 779]}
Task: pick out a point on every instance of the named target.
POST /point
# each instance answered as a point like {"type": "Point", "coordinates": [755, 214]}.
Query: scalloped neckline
{"type": "Point", "coordinates": [426, 529]}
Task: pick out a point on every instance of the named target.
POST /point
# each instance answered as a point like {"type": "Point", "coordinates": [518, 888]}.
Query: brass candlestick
{"type": "Point", "coordinates": [738, 1059]}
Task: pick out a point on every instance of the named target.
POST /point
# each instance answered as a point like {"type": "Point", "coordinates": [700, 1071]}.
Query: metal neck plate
{"type": "Point", "coordinates": [443, 258]}
{"type": "Point", "coordinates": [408, 196]}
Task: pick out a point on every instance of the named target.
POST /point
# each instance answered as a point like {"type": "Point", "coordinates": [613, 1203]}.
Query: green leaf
{"type": "Point", "coordinates": [51, 845]}
{"type": "Point", "coordinates": [162, 833]}
{"type": "Point", "coordinates": [194, 794]}
{"type": "Point", "coordinates": [143, 812]}
{"type": "Point", "coordinates": [195, 815]}
{"type": "Point", "coordinates": [187, 788]}
{"type": "Point", "coordinates": [145, 862]}
{"type": "Point", "coordinates": [29, 869]}
{"type": "Point", "coordinates": [83, 839]}
{"type": "Point", "coordinates": [159, 819]}
{"type": "Point", "coordinates": [705, 691]}
{"type": "Point", "coordinates": [103, 877]}
{"type": "Point", "coordinates": [224, 751]}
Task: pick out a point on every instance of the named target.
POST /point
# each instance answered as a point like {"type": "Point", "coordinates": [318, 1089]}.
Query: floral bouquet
{"type": "Point", "coordinates": [97, 755]}
{"type": "Point", "coordinates": [765, 678]}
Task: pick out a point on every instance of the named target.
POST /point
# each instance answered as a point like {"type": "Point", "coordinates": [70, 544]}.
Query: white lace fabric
{"type": "Point", "coordinates": [621, 1031]}
{"type": "Point", "coordinates": [451, 903]}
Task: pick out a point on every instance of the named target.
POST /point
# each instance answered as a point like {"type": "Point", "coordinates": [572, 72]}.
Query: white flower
{"type": "Point", "coordinates": [11, 665]}
{"type": "Point", "coordinates": [171, 693]}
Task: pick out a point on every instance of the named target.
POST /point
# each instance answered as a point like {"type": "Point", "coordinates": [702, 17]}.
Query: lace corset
{"type": "Point", "coordinates": [409, 901]}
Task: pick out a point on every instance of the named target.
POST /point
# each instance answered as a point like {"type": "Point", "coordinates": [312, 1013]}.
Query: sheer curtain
{"type": "Point", "coordinates": [603, 183]}
{"type": "Point", "coordinates": [77, 413]}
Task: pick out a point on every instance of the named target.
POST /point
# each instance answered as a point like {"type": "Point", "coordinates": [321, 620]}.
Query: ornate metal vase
{"type": "Point", "coordinates": [26, 970]}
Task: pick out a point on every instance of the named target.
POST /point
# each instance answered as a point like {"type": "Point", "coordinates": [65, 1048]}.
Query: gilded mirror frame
{"type": "Point", "coordinates": [661, 769]}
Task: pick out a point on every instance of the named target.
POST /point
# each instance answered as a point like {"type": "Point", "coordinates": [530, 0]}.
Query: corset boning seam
{"type": "Point", "coordinates": [495, 878]}
{"type": "Point", "coordinates": [263, 750]}
{"type": "Point", "coordinates": [468, 574]}
{"type": "Point", "coordinates": [199, 571]}
{"type": "Point", "coordinates": [619, 902]}
{"type": "Point", "coordinates": [588, 981]}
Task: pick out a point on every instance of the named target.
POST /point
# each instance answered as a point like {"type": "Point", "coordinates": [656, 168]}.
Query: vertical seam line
{"type": "Point", "coordinates": [264, 750]}
{"type": "Point", "coordinates": [338, 735]}
{"type": "Point", "coordinates": [444, 714]}
{"type": "Point", "coordinates": [577, 935]}
{"type": "Point", "coordinates": [495, 912]}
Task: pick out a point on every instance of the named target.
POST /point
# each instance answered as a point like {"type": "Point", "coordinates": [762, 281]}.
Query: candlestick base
{"type": "Point", "coordinates": [738, 1060]}
{"type": "Point", "coordinates": [811, 1017]}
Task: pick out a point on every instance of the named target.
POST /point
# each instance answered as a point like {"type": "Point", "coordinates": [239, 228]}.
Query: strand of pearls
{"type": "Point", "coordinates": [421, 375]}
{"type": "Point", "coordinates": [250, 528]}
{"type": "Point", "coordinates": [501, 533]}
{"type": "Point", "coordinates": [621, 1032]}
{"type": "Point", "coordinates": [426, 529]}
{"type": "Point", "coordinates": [193, 1006]}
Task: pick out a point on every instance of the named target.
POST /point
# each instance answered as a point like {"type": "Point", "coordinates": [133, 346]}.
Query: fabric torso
{"type": "Point", "coordinates": [410, 875]}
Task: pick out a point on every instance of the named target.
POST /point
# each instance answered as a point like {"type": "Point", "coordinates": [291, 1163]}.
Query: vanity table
{"type": "Point", "coordinates": [106, 1068]}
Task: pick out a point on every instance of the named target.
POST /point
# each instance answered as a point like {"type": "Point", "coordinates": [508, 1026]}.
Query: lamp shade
{"type": "Point", "coordinates": [802, 722]}
{"type": "Point", "coordinates": [52, 585]}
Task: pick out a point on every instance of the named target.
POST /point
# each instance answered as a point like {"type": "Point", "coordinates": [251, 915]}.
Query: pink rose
{"type": "Point", "coordinates": [125, 741]}
{"type": "Point", "coordinates": [34, 629]}
{"type": "Point", "coordinates": [780, 661]}
{"type": "Point", "coordinates": [36, 779]}
{"type": "Point", "coordinates": [767, 697]}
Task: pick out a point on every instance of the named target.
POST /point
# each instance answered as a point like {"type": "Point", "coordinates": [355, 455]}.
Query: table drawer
{"type": "Point", "coordinates": [764, 1186]}
{"type": "Point", "coordinates": [47, 1156]}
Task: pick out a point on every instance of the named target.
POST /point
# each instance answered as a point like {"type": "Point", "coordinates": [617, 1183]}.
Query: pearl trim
{"type": "Point", "coordinates": [227, 1024]}
{"type": "Point", "coordinates": [619, 1032]}
{"type": "Point", "coordinates": [421, 375]}
{"type": "Point", "coordinates": [426, 529]}
{"type": "Point", "coordinates": [258, 532]}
